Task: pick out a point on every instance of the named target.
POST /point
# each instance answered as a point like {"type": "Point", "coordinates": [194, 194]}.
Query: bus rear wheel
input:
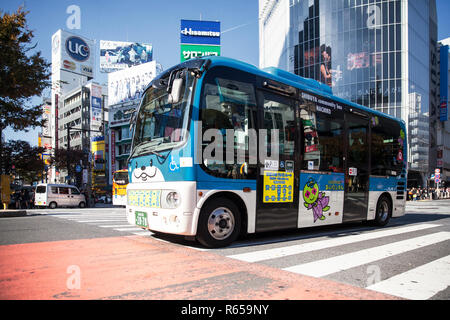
{"type": "Point", "coordinates": [384, 211]}
{"type": "Point", "coordinates": [219, 223]}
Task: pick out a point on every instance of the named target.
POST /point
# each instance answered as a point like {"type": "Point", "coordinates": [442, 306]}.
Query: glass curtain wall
{"type": "Point", "coordinates": [354, 46]}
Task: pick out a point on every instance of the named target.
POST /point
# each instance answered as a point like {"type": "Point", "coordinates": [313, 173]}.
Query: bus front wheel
{"type": "Point", "coordinates": [219, 223]}
{"type": "Point", "coordinates": [384, 211]}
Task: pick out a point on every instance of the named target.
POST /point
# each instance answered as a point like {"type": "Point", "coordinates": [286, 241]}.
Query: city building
{"type": "Point", "coordinates": [442, 126]}
{"type": "Point", "coordinates": [381, 54]}
{"type": "Point", "coordinates": [72, 67]}
{"type": "Point", "coordinates": [82, 114]}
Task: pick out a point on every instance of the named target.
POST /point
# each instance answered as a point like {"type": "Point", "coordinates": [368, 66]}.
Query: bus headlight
{"type": "Point", "coordinates": [173, 200]}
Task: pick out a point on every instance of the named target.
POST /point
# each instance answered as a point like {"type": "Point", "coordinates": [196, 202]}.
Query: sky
{"type": "Point", "coordinates": [156, 22]}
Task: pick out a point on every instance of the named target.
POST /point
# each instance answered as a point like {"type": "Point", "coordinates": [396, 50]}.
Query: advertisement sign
{"type": "Point", "coordinates": [72, 53]}
{"type": "Point", "coordinates": [199, 39]}
{"type": "Point", "coordinates": [278, 187]}
{"type": "Point", "coordinates": [129, 84]}
{"type": "Point", "coordinates": [98, 151]}
{"type": "Point", "coordinates": [358, 60]}
{"type": "Point", "coordinates": [189, 51]}
{"type": "Point", "coordinates": [200, 32]}
{"type": "Point", "coordinates": [119, 55]}
{"type": "Point", "coordinates": [96, 105]}
{"type": "Point", "coordinates": [46, 116]}
{"type": "Point", "coordinates": [113, 151]}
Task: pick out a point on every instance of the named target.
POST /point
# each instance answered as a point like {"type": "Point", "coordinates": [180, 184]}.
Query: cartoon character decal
{"type": "Point", "coordinates": [147, 174]}
{"type": "Point", "coordinates": [315, 200]}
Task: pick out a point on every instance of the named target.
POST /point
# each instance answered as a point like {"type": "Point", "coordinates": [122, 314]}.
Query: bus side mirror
{"type": "Point", "coordinates": [175, 92]}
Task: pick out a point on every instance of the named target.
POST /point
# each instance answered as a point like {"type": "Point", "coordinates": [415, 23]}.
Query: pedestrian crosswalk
{"type": "Point", "coordinates": [330, 257]}
{"type": "Point", "coordinates": [108, 218]}
{"type": "Point", "coordinates": [413, 259]}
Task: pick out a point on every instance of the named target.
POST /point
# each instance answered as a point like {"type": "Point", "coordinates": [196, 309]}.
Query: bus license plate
{"type": "Point", "coordinates": [141, 219]}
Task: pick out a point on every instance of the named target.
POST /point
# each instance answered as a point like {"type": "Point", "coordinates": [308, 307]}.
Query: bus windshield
{"type": "Point", "coordinates": [121, 177]}
{"type": "Point", "coordinates": [161, 125]}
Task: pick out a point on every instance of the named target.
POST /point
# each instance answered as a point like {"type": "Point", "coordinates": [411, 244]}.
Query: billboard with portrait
{"type": "Point", "coordinates": [129, 84]}
{"type": "Point", "coordinates": [119, 55]}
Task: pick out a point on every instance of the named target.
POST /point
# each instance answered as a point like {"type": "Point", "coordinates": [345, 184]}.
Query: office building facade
{"type": "Point", "coordinates": [377, 53]}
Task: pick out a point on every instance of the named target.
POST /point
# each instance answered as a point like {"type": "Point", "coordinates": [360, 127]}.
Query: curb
{"type": "Point", "coordinates": [12, 213]}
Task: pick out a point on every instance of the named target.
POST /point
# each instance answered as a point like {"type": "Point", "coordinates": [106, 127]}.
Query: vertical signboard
{"type": "Point", "coordinates": [113, 151]}
{"type": "Point", "coordinates": [96, 105]}
{"type": "Point", "coordinates": [199, 38]}
{"type": "Point", "coordinates": [443, 114]}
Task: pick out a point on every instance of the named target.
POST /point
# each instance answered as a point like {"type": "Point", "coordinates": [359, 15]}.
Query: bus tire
{"type": "Point", "coordinates": [219, 223]}
{"type": "Point", "coordinates": [384, 211]}
{"type": "Point", "coordinates": [53, 205]}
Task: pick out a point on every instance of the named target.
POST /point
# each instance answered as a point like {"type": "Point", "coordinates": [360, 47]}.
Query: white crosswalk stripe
{"type": "Point", "coordinates": [422, 282]}
{"type": "Point", "coordinates": [104, 218]}
{"type": "Point", "coordinates": [328, 266]}
{"type": "Point", "coordinates": [324, 244]}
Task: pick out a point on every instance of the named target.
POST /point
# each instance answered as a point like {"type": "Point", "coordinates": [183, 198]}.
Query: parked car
{"type": "Point", "coordinates": [58, 195]}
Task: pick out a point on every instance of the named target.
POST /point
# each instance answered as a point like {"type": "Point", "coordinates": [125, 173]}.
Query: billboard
{"type": "Point", "coordinates": [199, 39]}
{"type": "Point", "coordinates": [119, 55]}
{"type": "Point", "coordinates": [72, 53]}
{"type": "Point", "coordinates": [129, 84]}
{"type": "Point", "coordinates": [98, 151]}
{"type": "Point", "coordinates": [200, 32]}
{"type": "Point", "coordinates": [96, 105]}
{"type": "Point", "coordinates": [189, 51]}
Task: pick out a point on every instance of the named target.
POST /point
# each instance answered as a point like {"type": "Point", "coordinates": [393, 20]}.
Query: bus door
{"type": "Point", "coordinates": [278, 177]}
{"type": "Point", "coordinates": [357, 167]}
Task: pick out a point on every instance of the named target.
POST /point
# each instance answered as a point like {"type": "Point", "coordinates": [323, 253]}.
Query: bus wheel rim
{"type": "Point", "coordinates": [384, 211]}
{"type": "Point", "coordinates": [221, 223]}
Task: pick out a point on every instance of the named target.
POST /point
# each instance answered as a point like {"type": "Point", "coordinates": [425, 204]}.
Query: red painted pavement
{"type": "Point", "coordinates": [143, 268]}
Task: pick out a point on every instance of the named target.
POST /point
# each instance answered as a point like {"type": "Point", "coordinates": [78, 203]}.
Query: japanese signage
{"type": "Point", "coordinates": [199, 39]}
{"type": "Point", "coordinates": [278, 187]}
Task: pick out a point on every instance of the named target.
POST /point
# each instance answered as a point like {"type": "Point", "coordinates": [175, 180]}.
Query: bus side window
{"type": "Point", "coordinates": [323, 139]}
{"type": "Point", "coordinates": [387, 147]}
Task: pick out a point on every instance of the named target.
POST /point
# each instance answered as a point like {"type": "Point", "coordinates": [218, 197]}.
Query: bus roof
{"type": "Point", "coordinates": [294, 80]}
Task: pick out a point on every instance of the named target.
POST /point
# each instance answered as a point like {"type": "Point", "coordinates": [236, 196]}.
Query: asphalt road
{"type": "Point", "coordinates": [406, 259]}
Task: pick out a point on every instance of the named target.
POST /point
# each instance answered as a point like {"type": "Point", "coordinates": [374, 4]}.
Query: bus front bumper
{"type": "Point", "coordinates": [148, 207]}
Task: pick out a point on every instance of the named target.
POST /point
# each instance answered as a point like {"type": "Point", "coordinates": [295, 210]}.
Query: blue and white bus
{"type": "Point", "coordinates": [222, 148]}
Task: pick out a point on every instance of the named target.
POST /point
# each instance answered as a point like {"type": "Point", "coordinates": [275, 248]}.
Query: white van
{"type": "Point", "coordinates": [58, 195]}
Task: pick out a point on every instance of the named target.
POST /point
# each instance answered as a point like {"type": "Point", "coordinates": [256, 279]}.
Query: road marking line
{"type": "Point", "coordinates": [143, 233]}
{"type": "Point", "coordinates": [117, 226]}
{"type": "Point", "coordinates": [89, 216]}
{"type": "Point", "coordinates": [261, 255]}
{"type": "Point", "coordinates": [420, 283]}
{"type": "Point", "coordinates": [128, 229]}
{"type": "Point", "coordinates": [115, 220]}
{"type": "Point", "coordinates": [343, 262]}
